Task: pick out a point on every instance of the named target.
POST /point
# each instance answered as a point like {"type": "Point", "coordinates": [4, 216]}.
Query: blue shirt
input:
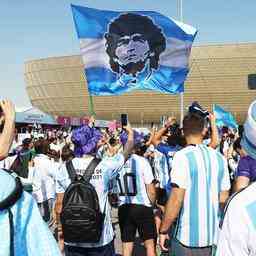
{"type": "Point", "coordinates": [247, 168]}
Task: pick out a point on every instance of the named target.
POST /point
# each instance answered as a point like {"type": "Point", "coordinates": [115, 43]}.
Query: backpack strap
{"type": "Point", "coordinates": [90, 169]}
{"type": "Point", "coordinates": [13, 197]}
{"type": "Point", "coordinates": [15, 164]}
{"type": "Point", "coordinates": [7, 203]}
{"type": "Point", "coordinates": [71, 170]}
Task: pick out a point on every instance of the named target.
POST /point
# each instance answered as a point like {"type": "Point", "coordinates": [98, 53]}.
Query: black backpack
{"type": "Point", "coordinates": [7, 203]}
{"type": "Point", "coordinates": [81, 219]}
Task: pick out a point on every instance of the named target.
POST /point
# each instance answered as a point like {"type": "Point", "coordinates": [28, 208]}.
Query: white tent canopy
{"type": "Point", "coordinates": [33, 115]}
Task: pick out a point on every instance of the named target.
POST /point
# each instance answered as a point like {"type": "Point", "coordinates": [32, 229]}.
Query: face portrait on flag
{"type": "Point", "coordinates": [132, 50]}
{"type": "Point", "coordinates": [134, 44]}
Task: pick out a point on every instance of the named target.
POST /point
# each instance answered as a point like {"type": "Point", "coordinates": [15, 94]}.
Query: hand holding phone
{"type": "Point", "coordinates": [124, 120]}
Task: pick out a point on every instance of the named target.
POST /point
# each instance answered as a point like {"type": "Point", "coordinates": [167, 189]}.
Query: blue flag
{"type": "Point", "coordinates": [224, 118]}
{"type": "Point", "coordinates": [125, 51]}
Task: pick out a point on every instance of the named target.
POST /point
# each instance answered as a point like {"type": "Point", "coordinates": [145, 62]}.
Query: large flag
{"type": "Point", "coordinates": [124, 51]}
{"type": "Point", "coordinates": [224, 118]}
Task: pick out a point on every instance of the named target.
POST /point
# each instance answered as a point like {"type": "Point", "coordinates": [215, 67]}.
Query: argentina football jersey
{"type": "Point", "coordinates": [161, 169]}
{"type": "Point", "coordinates": [106, 171]}
{"type": "Point", "coordinates": [131, 181]}
{"type": "Point", "coordinates": [203, 173]}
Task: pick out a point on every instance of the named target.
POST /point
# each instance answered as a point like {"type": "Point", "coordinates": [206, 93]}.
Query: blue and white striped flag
{"type": "Point", "coordinates": [124, 51]}
{"type": "Point", "coordinates": [224, 118]}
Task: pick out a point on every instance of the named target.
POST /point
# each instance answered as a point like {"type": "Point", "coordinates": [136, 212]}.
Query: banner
{"type": "Point", "coordinates": [75, 121]}
{"type": "Point", "coordinates": [137, 50]}
{"type": "Point", "coordinates": [224, 118]}
{"type": "Point", "coordinates": [33, 115]}
{"type": "Point", "coordinates": [101, 123]}
{"type": "Point", "coordinates": [64, 120]}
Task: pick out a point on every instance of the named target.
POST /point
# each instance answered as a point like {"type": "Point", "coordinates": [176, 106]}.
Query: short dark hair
{"type": "Point", "coordinates": [26, 142]}
{"type": "Point", "coordinates": [240, 130]}
{"type": "Point", "coordinates": [193, 124]}
{"type": "Point", "coordinates": [42, 146]}
{"type": "Point", "coordinates": [67, 153]}
{"type": "Point", "coordinates": [129, 24]}
{"type": "Point", "coordinates": [237, 144]}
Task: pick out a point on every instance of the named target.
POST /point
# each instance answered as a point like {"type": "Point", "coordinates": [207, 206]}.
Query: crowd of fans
{"type": "Point", "coordinates": [183, 190]}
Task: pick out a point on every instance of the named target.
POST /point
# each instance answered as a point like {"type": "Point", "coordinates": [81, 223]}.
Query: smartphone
{"type": "Point", "coordinates": [124, 119]}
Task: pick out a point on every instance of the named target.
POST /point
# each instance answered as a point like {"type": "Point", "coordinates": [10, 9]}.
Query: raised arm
{"type": "Point", "coordinates": [214, 134]}
{"type": "Point", "coordinates": [158, 135]}
{"type": "Point", "coordinates": [152, 135]}
{"type": "Point", "coordinates": [8, 118]}
{"type": "Point", "coordinates": [130, 142]}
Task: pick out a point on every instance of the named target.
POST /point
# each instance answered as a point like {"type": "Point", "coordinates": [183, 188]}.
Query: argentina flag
{"type": "Point", "coordinates": [132, 50]}
{"type": "Point", "coordinates": [224, 118]}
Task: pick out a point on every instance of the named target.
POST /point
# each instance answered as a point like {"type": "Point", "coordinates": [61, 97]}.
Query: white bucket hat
{"type": "Point", "coordinates": [248, 141]}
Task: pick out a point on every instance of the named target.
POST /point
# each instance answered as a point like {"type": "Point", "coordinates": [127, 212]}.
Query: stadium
{"type": "Point", "coordinates": [218, 75]}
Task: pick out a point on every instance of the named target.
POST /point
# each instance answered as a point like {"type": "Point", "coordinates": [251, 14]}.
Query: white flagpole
{"type": "Point", "coordinates": [180, 3]}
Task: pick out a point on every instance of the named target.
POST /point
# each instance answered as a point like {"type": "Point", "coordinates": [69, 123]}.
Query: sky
{"type": "Point", "coordinates": [32, 29]}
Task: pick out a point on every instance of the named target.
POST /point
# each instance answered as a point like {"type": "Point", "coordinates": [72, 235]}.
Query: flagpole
{"type": "Point", "coordinates": [90, 101]}
{"type": "Point", "coordinates": [91, 105]}
{"type": "Point", "coordinates": [180, 4]}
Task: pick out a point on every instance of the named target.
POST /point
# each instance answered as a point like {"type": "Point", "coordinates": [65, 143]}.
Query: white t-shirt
{"type": "Point", "coordinates": [55, 147]}
{"type": "Point", "coordinates": [43, 175]}
{"type": "Point", "coordinates": [106, 170]}
{"type": "Point", "coordinates": [238, 234]}
{"type": "Point", "coordinates": [132, 180]}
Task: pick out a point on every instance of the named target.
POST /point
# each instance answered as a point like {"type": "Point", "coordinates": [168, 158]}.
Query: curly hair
{"type": "Point", "coordinates": [129, 24]}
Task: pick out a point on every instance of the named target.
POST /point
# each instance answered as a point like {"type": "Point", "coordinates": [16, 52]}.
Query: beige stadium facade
{"type": "Point", "coordinates": [218, 74]}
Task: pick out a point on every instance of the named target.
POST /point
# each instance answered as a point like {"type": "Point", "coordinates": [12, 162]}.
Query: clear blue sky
{"type": "Point", "coordinates": [31, 29]}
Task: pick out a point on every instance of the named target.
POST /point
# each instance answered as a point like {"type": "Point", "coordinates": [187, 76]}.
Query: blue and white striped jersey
{"type": "Point", "coordinates": [31, 235]}
{"type": "Point", "coordinates": [203, 173]}
{"type": "Point", "coordinates": [132, 180]}
{"type": "Point", "coordinates": [169, 152]}
{"type": "Point", "coordinates": [161, 169]}
{"type": "Point", "coordinates": [106, 170]}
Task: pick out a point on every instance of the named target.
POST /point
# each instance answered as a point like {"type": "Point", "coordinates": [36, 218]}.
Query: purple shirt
{"type": "Point", "coordinates": [247, 168]}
